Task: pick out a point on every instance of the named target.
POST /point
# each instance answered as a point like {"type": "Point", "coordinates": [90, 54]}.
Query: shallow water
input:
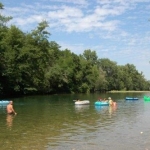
{"type": "Point", "coordinates": [55, 122]}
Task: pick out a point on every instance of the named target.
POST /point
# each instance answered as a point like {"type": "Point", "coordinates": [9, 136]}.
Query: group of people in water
{"type": "Point", "coordinates": [10, 110]}
{"type": "Point", "coordinates": [109, 100]}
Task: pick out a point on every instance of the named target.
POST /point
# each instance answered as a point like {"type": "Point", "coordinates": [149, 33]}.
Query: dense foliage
{"type": "Point", "coordinates": [31, 64]}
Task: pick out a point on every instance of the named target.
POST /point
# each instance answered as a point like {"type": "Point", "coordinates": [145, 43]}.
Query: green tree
{"type": "Point", "coordinates": [91, 74]}
{"type": "Point", "coordinates": [35, 59]}
{"type": "Point", "coordinates": [61, 74]}
{"type": "Point", "coordinates": [3, 31]}
{"type": "Point", "coordinates": [12, 44]}
{"type": "Point", "coordinates": [111, 72]}
{"type": "Point", "coordinates": [90, 56]}
{"type": "Point", "coordinates": [3, 19]}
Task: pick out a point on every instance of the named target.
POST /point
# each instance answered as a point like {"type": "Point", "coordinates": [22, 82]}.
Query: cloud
{"type": "Point", "coordinates": [80, 2]}
{"type": "Point", "coordinates": [69, 18]}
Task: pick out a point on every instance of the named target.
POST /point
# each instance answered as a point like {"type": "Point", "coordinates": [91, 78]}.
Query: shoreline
{"type": "Point", "coordinates": [129, 92]}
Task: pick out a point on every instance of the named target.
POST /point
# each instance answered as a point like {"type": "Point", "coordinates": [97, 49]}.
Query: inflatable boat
{"type": "Point", "coordinates": [146, 98]}
{"type": "Point", "coordinates": [131, 98]}
{"type": "Point", "coordinates": [4, 102]}
{"type": "Point", "coordinates": [83, 102]}
{"type": "Point", "coordinates": [101, 103]}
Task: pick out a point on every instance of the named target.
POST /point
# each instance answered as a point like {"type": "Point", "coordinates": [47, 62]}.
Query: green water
{"type": "Point", "coordinates": [56, 123]}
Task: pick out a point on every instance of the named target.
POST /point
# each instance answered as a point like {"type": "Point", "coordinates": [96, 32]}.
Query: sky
{"type": "Point", "coordinates": [115, 29]}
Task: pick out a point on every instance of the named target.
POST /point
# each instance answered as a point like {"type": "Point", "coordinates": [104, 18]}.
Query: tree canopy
{"type": "Point", "coordinates": [31, 64]}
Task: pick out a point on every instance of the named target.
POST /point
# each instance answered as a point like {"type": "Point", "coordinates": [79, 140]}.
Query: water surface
{"type": "Point", "coordinates": [56, 123]}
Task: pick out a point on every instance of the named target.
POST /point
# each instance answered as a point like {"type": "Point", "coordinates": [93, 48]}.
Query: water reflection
{"type": "Point", "coordinates": [9, 120]}
{"type": "Point", "coordinates": [2, 109]}
{"type": "Point", "coordinates": [112, 109]}
{"type": "Point", "coordinates": [62, 125]}
{"type": "Point", "coordinates": [106, 109]}
{"type": "Point", "coordinates": [101, 108]}
{"type": "Point", "coordinates": [81, 108]}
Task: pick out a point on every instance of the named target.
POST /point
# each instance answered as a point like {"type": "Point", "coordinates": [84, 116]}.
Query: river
{"type": "Point", "coordinates": [54, 122]}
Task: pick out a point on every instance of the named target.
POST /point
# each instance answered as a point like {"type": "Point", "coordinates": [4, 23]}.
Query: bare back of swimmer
{"type": "Point", "coordinates": [10, 109]}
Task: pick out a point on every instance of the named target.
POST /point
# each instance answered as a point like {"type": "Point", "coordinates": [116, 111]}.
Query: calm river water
{"type": "Point", "coordinates": [55, 123]}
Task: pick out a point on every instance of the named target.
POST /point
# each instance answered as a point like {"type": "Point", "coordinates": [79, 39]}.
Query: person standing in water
{"type": "Point", "coordinates": [110, 101]}
{"type": "Point", "coordinates": [10, 109]}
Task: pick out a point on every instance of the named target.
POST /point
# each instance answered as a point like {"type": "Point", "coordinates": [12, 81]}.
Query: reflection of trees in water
{"type": "Point", "coordinates": [112, 109]}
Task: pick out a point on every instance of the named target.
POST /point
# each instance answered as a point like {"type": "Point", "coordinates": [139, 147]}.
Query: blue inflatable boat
{"type": "Point", "coordinates": [101, 103]}
{"type": "Point", "coordinates": [131, 98]}
{"type": "Point", "coordinates": [4, 102]}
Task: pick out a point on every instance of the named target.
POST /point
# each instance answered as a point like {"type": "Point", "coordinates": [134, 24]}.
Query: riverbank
{"type": "Point", "coordinates": [129, 92]}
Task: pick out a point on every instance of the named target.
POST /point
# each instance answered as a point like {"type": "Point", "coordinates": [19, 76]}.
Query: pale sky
{"type": "Point", "coordinates": [115, 29]}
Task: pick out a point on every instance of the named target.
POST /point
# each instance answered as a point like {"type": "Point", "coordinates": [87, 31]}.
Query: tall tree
{"type": "Point", "coordinates": [111, 72]}
{"type": "Point", "coordinates": [35, 54]}
{"type": "Point", "coordinates": [13, 43]}
{"type": "Point", "coordinates": [90, 56]}
{"type": "Point", "coordinates": [3, 34]}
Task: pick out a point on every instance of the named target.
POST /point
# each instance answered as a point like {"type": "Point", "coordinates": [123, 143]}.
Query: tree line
{"type": "Point", "coordinates": [31, 64]}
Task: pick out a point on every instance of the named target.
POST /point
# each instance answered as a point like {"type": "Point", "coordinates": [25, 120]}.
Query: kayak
{"type": "Point", "coordinates": [131, 98]}
{"type": "Point", "coordinates": [101, 103]}
{"type": "Point", "coordinates": [146, 98]}
{"type": "Point", "coordinates": [83, 102]}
